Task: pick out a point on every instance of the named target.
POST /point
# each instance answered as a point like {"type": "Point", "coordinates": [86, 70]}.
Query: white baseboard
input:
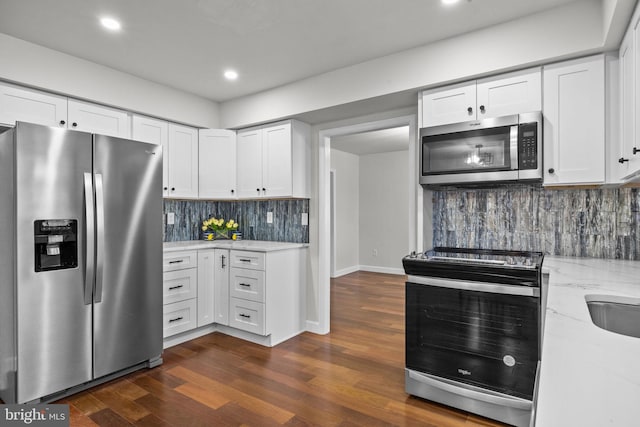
{"type": "Point", "coordinates": [314, 327]}
{"type": "Point", "coordinates": [347, 270]}
{"type": "Point", "coordinates": [188, 336]}
{"type": "Point", "coordinates": [386, 270]}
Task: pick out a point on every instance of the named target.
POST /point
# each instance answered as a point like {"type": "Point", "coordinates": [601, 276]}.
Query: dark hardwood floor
{"type": "Point", "coordinates": [351, 377]}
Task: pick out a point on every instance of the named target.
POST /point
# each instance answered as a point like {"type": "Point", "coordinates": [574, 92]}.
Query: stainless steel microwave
{"type": "Point", "coordinates": [501, 149]}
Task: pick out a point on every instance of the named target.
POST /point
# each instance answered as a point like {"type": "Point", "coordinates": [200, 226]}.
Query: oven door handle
{"type": "Point", "coordinates": [463, 390]}
{"type": "Point", "coordinates": [493, 288]}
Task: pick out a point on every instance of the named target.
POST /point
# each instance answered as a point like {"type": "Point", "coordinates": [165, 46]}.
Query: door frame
{"type": "Point", "coordinates": [324, 202]}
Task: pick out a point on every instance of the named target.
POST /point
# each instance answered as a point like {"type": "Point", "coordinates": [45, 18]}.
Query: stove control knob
{"type": "Point", "coordinates": [527, 262]}
{"type": "Point", "coordinates": [413, 254]}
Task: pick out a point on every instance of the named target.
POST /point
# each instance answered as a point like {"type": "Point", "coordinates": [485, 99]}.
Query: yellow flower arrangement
{"type": "Point", "coordinates": [218, 226]}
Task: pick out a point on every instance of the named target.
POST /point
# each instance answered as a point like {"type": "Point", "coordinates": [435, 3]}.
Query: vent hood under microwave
{"type": "Point", "coordinates": [482, 152]}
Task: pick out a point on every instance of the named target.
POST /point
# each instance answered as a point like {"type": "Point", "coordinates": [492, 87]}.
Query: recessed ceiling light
{"type": "Point", "coordinates": [110, 24]}
{"type": "Point", "coordinates": [448, 2]}
{"type": "Point", "coordinates": [230, 75]}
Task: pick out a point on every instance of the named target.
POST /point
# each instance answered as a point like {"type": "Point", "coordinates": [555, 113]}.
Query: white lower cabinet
{"type": "Point", "coordinates": [178, 317]}
{"type": "Point", "coordinates": [180, 292]}
{"type": "Point", "coordinates": [257, 296]}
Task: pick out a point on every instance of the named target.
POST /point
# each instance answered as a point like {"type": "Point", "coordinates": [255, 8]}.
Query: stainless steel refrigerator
{"type": "Point", "coordinates": [80, 260]}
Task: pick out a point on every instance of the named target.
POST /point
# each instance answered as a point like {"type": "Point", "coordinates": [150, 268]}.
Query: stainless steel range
{"type": "Point", "coordinates": [473, 330]}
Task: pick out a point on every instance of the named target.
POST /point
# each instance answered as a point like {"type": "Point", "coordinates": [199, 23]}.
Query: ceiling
{"type": "Point", "coordinates": [188, 44]}
{"type": "Point", "coordinates": [372, 142]}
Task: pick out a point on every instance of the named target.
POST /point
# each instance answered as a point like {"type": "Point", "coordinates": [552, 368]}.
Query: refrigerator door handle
{"type": "Point", "coordinates": [97, 295]}
{"type": "Point", "coordinates": [89, 274]}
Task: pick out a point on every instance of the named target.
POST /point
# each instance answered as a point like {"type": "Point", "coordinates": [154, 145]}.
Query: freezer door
{"type": "Point", "coordinates": [54, 323]}
{"type": "Point", "coordinates": [128, 289]}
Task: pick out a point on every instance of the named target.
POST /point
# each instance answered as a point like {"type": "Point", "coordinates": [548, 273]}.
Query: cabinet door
{"type": "Point", "coordinates": [217, 164]}
{"type": "Point", "coordinates": [276, 161]}
{"type": "Point", "coordinates": [249, 163]}
{"type": "Point", "coordinates": [183, 161]}
{"type": "Point", "coordinates": [27, 105]}
{"type": "Point", "coordinates": [574, 142]}
{"type": "Point", "coordinates": [451, 104]}
{"type": "Point", "coordinates": [627, 104]}
{"type": "Point", "coordinates": [94, 118]}
{"type": "Point", "coordinates": [154, 131]}
{"type": "Point", "coordinates": [206, 283]}
{"type": "Point", "coordinates": [221, 286]}
{"type": "Point", "coordinates": [634, 165]}
{"type": "Point", "coordinates": [508, 94]}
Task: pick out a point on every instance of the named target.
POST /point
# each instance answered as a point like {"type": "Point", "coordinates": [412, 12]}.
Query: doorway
{"type": "Point", "coordinates": [325, 206]}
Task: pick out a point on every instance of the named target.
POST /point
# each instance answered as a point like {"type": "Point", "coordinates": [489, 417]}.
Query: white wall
{"type": "Point", "coordinates": [384, 211]}
{"type": "Point", "coordinates": [568, 31]}
{"type": "Point", "coordinates": [42, 68]}
{"type": "Point", "coordinates": [347, 180]}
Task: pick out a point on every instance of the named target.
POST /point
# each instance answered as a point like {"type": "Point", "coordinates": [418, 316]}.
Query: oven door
{"type": "Point", "coordinates": [470, 152]}
{"type": "Point", "coordinates": [482, 334]}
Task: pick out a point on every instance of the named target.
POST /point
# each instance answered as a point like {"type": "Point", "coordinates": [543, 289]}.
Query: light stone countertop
{"type": "Point", "coordinates": [589, 376]}
{"type": "Point", "coordinates": [243, 245]}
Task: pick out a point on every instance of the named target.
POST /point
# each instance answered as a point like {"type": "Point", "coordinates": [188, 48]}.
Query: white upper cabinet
{"type": "Point", "coordinates": [33, 106]}
{"type": "Point", "coordinates": [99, 119]}
{"type": "Point", "coordinates": [249, 163]}
{"type": "Point", "coordinates": [628, 165]}
{"type": "Point", "coordinates": [182, 162]}
{"type": "Point", "coordinates": [217, 164]}
{"type": "Point", "coordinates": [574, 122]}
{"type": "Point", "coordinates": [154, 131]}
{"type": "Point", "coordinates": [274, 161]}
{"type": "Point", "coordinates": [451, 104]}
{"type": "Point", "coordinates": [512, 93]}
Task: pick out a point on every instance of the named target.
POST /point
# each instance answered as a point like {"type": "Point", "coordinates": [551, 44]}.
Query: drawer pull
{"type": "Point", "coordinates": [246, 285]}
{"type": "Point", "coordinates": [176, 319]}
{"type": "Point", "coordinates": [244, 260]}
{"type": "Point", "coordinates": [176, 287]}
{"type": "Point", "coordinates": [246, 316]}
{"type": "Point", "coordinates": [176, 262]}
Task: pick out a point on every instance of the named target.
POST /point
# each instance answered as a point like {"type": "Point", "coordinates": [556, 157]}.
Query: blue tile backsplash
{"type": "Point", "coordinates": [601, 223]}
{"type": "Point", "coordinates": [250, 214]}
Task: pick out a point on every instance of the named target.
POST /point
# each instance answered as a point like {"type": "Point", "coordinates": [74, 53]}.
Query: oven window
{"type": "Point", "coordinates": [471, 151]}
{"type": "Point", "coordinates": [483, 339]}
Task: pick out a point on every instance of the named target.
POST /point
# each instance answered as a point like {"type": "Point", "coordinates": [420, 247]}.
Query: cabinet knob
{"type": "Point", "coordinates": [258, 190]}
{"type": "Point", "coordinates": [264, 189]}
{"type": "Point", "coordinates": [635, 150]}
{"type": "Point", "coordinates": [621, 160]}
{"type": "Point", "coordinates": [62, 123]}
{"type": "Point", "coordinates": [74, 124]}
{"type": "Point", "coordinates": [233, 191]}
{"type": "Point", "coordinates": [552, 170]}
{"type": "Point", "coordinates": [470, 110]}
{"type": "Point", "coordinates": [173, 188]}
{"type": "Point", "coordinates": [166, 188]}
{"type": "Point", "coordinates": [482, 108]}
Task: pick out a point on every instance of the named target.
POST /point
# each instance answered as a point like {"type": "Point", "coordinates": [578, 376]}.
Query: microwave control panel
{"type": "Point", "coordinates": [528, 146]}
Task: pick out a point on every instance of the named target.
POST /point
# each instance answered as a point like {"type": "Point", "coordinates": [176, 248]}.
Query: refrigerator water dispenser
{"type": "Point", "coordinates": [55, 244]}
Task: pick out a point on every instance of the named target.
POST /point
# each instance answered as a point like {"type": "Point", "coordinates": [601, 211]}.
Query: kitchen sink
{"type": "Point", "coordinates": [615, 314]}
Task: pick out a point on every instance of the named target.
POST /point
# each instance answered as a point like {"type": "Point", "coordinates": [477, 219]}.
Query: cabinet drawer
{"type": "Point", "coordinates": [247, 284]}
{"type": "Point", "coordinates": [178, 317]}
{"type": "Point", "coordinates": [247, 315]}
{"type": "Point", "coordinates": [179, 285]}
{"type": "Point", "coordinates": [247, 259]}
{"type": "Point", "coordinates": [179, 260]}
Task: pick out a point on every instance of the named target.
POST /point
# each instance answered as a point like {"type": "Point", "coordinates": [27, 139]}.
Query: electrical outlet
{"type": "Point", "coordinates": [269, 217]}
{"type": "Point", "coordinates": [305, 218]}
{"type": "Point", "coordinates": [375, 252]}
{"type": "Point", "coordinates": [171, 218]}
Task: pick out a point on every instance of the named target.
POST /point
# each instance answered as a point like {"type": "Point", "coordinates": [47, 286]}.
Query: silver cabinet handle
{"type": "Point", "coordinates": [97, 296]}
{"type": "Point", "coordinates": [89, 274]}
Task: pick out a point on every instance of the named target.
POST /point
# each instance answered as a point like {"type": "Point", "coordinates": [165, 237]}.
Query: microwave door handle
{"type": "Point", "coordinates": [513, 147]}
